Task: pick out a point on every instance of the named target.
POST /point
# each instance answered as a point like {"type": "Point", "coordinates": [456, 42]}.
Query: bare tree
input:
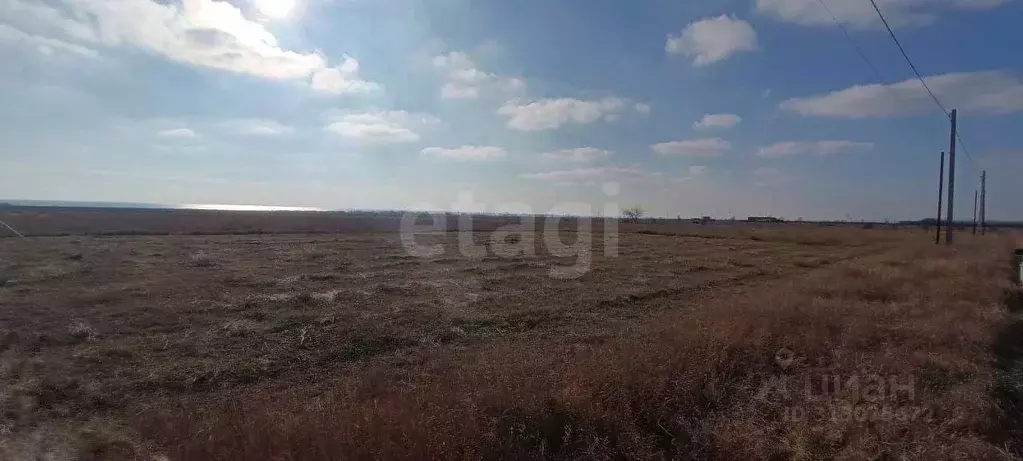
{"type": "Point", "coordinates": [633, 213]}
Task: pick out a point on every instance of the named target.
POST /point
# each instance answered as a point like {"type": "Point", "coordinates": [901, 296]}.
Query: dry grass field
{"type": "Point", "coordinates": [693, 342]}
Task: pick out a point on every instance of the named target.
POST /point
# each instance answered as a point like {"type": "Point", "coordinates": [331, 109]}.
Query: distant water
{"type": "Point", "coordinates": [83, 204]}
{"type": "Point", "coordinates": [153, 206]}
{"type": "Point", "coordinates": [246, 207]}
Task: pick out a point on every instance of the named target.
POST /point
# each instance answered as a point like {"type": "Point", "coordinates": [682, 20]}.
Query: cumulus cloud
{"type": "Point", "coordinates": [642, 108]}
{"type": "Point", "coordinates": [713, 39]}
{"type": "Point", "coordinates": [707, 147]}
{"type": "Point", "coordinates": [259, 128]}
{"type": "Point", "coordinates": [578, 155]}
{"type": "Point", "coordinates": [384, 127]}
{"type": "Point", "coordinates": [861, 15]}
{"type": "Point", "coordinates": [789, 148]}
{"type": "Point", "coordinates": [205, 33]}
{"type": "Point", "coordinates": [550, 114]}
{"type": "Point", "coordinates": [693, 173]}
{"type": "Point", "coordinates": [718, 121]}
{"type": "Point", "coordinates": [466, 81]}
{"type": "Point", "coordinates": [592, 174]}
{"type": "Point", "coordinates": [343, 79]}
{"type": "Point", "coordinates": [178, 133]}
{"type": "Point", "coordinates": [456, 91]}
{"type": "Point", "coordinates": [16, 37]}
{"type": "Point", "coordinates": [986, 92]}
{"type": "Point", "coordinates": [466, 153]}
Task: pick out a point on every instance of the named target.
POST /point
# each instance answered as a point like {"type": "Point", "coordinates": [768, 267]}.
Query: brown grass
{"type": "Point", "coordinates": [343, 347]}
{"type": "Point", "coordinates": [683, 385]}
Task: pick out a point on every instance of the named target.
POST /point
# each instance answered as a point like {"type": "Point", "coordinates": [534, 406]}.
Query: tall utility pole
{"type": "Point", "coordinates": [983, 202]}
{"type": "Point", "coordinates": [951, 180]}
{"type": "Point", "coordinates": [941, 193]}
{"type": "Point", "coordinates": [974, 211]}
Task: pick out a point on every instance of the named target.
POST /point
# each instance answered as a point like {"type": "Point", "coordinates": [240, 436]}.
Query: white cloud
{"type": "Point", "coordinates": [466, 153]}
{"type": "Point", "coordinates": [592, 174]}
{"type": "Point", "coordinates": [708, 147]}
{"type": "Point", "coordinates": [466, 81]}
{"type": "Point", "coordinates": [861, 15]}
{"type": "Point", "coordinates": [986, 92]}
{"type": "Point", "coordinates": [578, 155]}
{"type": "Point", "coordinates": [456, 91]}
{"type": "Point", "coordinates": [789, 148]}
{"type": "Point", "coordinates": [343, 79]}
{"type": "Point", "coordinates": [178, 133]}
{"type": "Point", "coordinates": [718, 121]}
{"type": "Point", "coordinates": [42, 19]}
{"type": "Point", "coordinates": [453, 61]}
{"type": "Point", "coordinates": [260, 128]}
{"type": "Point", "coordinates": [44, 45]}
{"type": "Point", "coordinates": [713, 39]}
{"type": "Point", "coordinates": [642, 108]}
{"type": "Point", "coordinates": [205, 33]}
{"type": "Point", "coordinates": [693, 173]}
{"type": "Point", "coordinates": [549, 114]}
{"type": "Point", "coordinates": [385, 127]}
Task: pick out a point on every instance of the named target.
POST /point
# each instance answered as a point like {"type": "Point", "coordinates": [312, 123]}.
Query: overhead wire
{"type": "Point", "coordinates": [910, 61]}
{"type": "Point", "coordinates": [848, 36]}
{"type": "Point", "coordinates": [923, 82]}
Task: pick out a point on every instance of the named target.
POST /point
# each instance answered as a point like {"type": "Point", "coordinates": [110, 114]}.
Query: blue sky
{"type": "Point", "coordinates": [688, 108]}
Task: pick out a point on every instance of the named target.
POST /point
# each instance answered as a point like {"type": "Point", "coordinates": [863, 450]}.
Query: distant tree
{"type": "Point", "coordinates": [633, 213]}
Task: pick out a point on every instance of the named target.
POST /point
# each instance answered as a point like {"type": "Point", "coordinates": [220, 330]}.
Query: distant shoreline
{"type": "Point", "coordinates": [72, 205]}
{"type": "Point", "coordinates": [150, 206]}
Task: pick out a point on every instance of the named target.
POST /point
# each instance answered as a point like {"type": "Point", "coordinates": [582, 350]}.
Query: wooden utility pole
{"type": "Point", "coordinates": [941, 193]}
{"type": "Point", "coordinates": [951, 180]}
{"type": "Point", "coordinates": [974, 211]}
{"type": "Point", "coordinates": [983, 202]}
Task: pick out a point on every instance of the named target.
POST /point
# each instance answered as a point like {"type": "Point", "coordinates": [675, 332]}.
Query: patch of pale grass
{"type": "Point", "coordinates": [81, 330]}
{"type": "Point", "coordinates": [51, 271]}
{"type": "Point", "coordinates": [328, 297]}
{"type": "Point", "coordinates": [201, 259]}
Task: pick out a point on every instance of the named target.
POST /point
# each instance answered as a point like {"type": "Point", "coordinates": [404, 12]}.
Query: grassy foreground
{"type": "Point", "coordinates": [906, 354]}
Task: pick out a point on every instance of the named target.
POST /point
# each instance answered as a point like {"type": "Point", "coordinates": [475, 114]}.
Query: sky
{"type": "Point", "coordinates": [720, 107]}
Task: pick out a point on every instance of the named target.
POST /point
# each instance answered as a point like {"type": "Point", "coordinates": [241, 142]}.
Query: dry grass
{"type": "Point", "coordinates": [684, 384]}
{"type": "Point", "coordinates": [343, 347]}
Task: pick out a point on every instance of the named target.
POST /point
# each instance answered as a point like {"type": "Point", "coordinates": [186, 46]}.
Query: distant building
{"type": "Point", "coordinates": [763, 219]}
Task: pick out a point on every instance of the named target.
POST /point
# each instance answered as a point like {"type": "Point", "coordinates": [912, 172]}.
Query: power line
{"type": "Point", "coordinates": [965, 150]}
{"type": "Point", "coordinates": [905, 55]}
{"type": "Point", "coordinates": [863, 55]}
{"type": "Point", "coordinates": [877, 74]}
{"type": "Point", "coordinates": [918, 76]}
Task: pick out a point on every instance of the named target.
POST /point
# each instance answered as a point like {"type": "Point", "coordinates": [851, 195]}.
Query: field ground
{"type": "Point", "coordinates": [691, 343]}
